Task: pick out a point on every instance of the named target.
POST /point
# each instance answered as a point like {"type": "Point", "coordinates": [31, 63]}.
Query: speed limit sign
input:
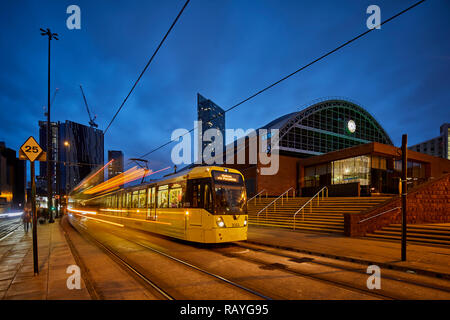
{"type": "Point", "coordinates": [31, 150]}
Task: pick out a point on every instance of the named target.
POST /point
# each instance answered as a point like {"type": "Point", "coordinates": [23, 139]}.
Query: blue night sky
{"type": "Point", "coordinates": [226, 50]}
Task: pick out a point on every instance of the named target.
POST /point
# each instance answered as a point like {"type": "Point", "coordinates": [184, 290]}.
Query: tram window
{"type": "Point", "coordinates": [113, 201]}
{"type": "Point", "coordinates": [175, 196]}
{"type": "Point", "coordinates": [142, 197]}
{"type": "Point", "coordinates": [149, 198]}
{"type": "Point", "coordinates": [135, 199]}
{"type": "Point", "coordinates": [124, 200]}
{"type": "Point", "coordinates": [153, 197]}
{"type": "Point", "coordinates": [208, 204]}
{"type": "Point", "coordinates": [197, 196]}
{"type": "Point", "coordinates": [128, 204]}
{"type": "Point", "coordinates": [163, 194]}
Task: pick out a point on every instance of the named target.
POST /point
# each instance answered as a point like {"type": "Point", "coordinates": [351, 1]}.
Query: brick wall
{"type": "Point", "coordinates": [285, 178]}
{"type": "Point", "coordinates": [428, 203]}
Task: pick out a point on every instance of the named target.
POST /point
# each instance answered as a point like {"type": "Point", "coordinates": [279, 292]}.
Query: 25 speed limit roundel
{"type": "Point", "coordinates": [351, 125]}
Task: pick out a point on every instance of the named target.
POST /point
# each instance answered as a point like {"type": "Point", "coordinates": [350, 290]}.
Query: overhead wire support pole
{"type": "Point", "coordinates": [148, 63]}
{"type": "Point", "coordinates": [295, 72]}
{"type": "Point", "coordinates": [50, 36]}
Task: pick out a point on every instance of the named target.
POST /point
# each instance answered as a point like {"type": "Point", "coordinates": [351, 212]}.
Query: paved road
{"type": "Point", "coordinates": [8, 224]}
{"type": "Point", "coordinates": [274, 273]}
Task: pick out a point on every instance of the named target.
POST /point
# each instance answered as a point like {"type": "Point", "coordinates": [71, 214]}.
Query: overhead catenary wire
{"type": "Point", "coordinates": [146, 66]}
{"type": "Point", "coordinates": [293, 73]}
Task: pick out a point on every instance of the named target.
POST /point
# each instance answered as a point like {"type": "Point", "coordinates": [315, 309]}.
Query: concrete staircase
{"type": "Point", "coordinates": [325, 217]}
{"type": "Point", "coordinates": [437, 233]}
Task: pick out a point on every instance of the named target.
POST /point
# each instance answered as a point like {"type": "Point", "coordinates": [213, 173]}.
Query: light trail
{"type": "Point", "coordinates": [11, 214]}
{"type": "Point", "coordinates": [89, 178]}
{"type": "Point", "coordinates": [101, 220]}
{"type": "Point", "coordinates": [81, 211]}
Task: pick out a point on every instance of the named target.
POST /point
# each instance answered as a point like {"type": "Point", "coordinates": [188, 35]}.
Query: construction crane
{"type": "Point", "coordinates": [91, 121]}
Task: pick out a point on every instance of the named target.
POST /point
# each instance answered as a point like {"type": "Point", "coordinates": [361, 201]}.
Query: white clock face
{"type": "Point", "coordinates": [351, 125]}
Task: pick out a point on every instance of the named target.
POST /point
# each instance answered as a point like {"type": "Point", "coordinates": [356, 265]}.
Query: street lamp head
{"type": "Point", "coordinates": [66, 143]}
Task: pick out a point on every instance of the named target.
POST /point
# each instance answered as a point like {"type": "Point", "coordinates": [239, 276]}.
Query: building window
{"type": "Point", "coordinates": [350, 170]}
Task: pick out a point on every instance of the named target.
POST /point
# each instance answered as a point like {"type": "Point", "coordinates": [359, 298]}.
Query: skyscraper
{"type": "Point", "coordinates": [77, 150]}
{"type": "Point", "coordinates": [115, 167]}
{"type": "Point", "coordinates": [12, 179]}
{"type": "Point", "coordinates": [81, 151]}
{"type": "Point", "coordinates": [212, 117]}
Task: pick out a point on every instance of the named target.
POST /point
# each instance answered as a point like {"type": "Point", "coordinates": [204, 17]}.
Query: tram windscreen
{"type": "Point", "coordinates": [230, 193]}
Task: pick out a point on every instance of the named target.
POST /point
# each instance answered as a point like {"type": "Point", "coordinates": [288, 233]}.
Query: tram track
{"type": "Point", "coordinates": [359, 270]}
{"type": "Point", "coordinates": [136, 271]}
{"type": "Point", "coordinates": [333, 277]}
{"type": "Point", "coordinates": [121, 261]}
{"type": "Point", "coordinates": [283, 268]}
{"type": "Point", "coordinates": [263, 263]}
{"type": "Point", "coordinates": [6, 229]}
{"type": "Point", "coordinates": [313, 260]}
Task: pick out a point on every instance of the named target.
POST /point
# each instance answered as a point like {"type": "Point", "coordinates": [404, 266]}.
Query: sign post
{"type": "Point", "coordinates": [32, 151]}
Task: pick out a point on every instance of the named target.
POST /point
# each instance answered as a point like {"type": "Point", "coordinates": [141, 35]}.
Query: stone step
{"type": "Point", "coordinates": [412, 234]}
{"type": "Point", "coordinates": [305, 228]}
{"type": "Point", "coordinates": [411, 239]}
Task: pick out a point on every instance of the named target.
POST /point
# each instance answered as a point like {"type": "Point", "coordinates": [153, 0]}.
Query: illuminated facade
{"type": "Point", "coordinates": [328, 125]}
{"type": "Point", "coordinates": [338, 144]}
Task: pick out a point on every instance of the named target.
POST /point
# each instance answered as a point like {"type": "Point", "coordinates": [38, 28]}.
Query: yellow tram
{"type": "Point", "coordinates": [205, 204]}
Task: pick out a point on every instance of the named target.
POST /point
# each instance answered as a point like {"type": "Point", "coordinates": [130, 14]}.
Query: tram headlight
{"type": "Point", "coordinates": [245, 221]}
{"type": "Point", "coordinates": [220, 222]}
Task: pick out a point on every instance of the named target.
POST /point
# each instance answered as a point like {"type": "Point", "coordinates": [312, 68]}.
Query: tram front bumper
{"type": "Point", "coordinates": [218, 235]}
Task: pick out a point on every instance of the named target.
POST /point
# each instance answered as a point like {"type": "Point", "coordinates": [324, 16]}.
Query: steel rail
{"type": "Point", "coordinates": [111, 251]}
{"type": "Point", "coordinates": [11, 232]}
{"type": "Point", "coordinates": [362, 270]}
{"type": "Point", "coordinates": [127, 266]}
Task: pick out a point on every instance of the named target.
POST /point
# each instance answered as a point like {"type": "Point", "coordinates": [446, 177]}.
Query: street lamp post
{"type": "Point", "coordinates": [67, 164]}
{"type": "Point", "coordinates": [49, 135]}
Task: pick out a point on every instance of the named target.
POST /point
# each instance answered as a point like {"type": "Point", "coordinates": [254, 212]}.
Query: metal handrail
{"type": "Point", "coordinates": [310, 201]}
{"type": "Point", "coordinates": [274, 201]}
{"type": "Point", "coordinates": [254, 197]}
{"type": "Point", "coordinates": [377, 215]}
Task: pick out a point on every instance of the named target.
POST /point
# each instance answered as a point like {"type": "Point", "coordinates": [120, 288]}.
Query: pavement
{"type": "Point", "coordinates": [421, 259]}
{"type": "Point", "coordinates": [59, 247]}
{"type": "Point", "coordinates": [17, 279]}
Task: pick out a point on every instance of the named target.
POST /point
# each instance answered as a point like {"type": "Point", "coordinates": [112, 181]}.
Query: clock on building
{"type": "Point", "coordinates": [351, 125]}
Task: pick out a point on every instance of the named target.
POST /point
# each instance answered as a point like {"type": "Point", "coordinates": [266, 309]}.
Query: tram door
{"type": "Point", "coordinates": [201, 195]}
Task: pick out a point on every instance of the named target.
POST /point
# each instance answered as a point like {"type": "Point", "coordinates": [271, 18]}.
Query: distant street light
{"type": "Point", "coordinates": [66, 143]}
{"type": "Point", "coordinates": [49, 135]}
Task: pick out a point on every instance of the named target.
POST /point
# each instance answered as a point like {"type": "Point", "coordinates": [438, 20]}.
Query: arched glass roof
{"type": "Point", "coordinates": [327, 125]}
